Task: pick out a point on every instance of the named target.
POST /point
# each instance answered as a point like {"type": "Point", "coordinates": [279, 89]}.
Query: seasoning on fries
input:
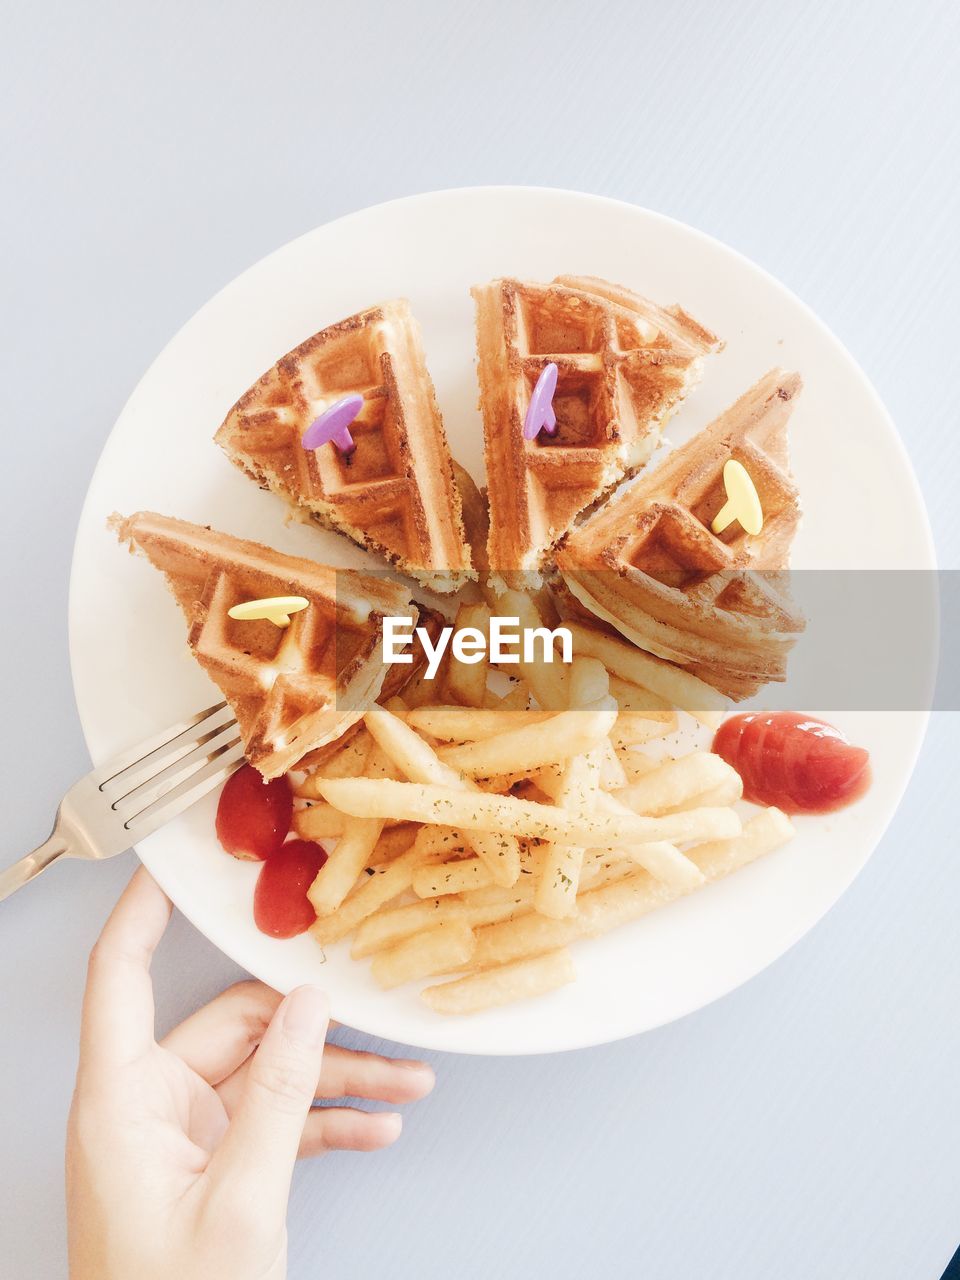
{"type": "Point", "coordinates": [479, 834]}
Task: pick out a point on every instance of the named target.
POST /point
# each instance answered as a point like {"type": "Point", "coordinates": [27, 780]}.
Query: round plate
{"type": "Point", "coordinates": [133, 673]}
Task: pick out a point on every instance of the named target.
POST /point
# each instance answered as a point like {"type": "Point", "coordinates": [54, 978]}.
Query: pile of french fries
{"type": "Point", "coordinates": [479, 834]}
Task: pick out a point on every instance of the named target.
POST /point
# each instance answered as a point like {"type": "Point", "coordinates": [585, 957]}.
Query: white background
{"type": "Point", "coordinates": [806, 1125]}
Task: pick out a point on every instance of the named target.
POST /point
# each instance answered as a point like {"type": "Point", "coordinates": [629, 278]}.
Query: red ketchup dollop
{"type": "Point", "coordinates": [281, 907]}
{"type": "Point", "coordinates": [793, 761]}
{"type": "Point", "coordinates": [253, 821]}
{"type": "Point", "coordinates": [254, 816]}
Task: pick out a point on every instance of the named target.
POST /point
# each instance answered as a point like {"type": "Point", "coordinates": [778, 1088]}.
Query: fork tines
{"type": "Point", "coordinates": [150, 783]}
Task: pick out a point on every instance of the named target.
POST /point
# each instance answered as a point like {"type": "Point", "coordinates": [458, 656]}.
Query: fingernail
{"type": "Point", "coordinates": [392, 1121]}
{"type": "Point", "coordinates": [411, 1064]}
{"type": "Point", "coordinates": [305, 1016]}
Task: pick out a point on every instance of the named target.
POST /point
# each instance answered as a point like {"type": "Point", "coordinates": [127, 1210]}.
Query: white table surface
{"type": "Point", "coordinates": [808, 1124]}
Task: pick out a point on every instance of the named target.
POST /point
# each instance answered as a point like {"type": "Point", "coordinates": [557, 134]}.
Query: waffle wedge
{"type": "Point", "coordinates": [294, 688]}
{"type": "Point", "coordinates": [649, 565]}
{"type": "Point", "coordinates": [624, 365]}
{"type": "Point", "coordinates": [395, 494]}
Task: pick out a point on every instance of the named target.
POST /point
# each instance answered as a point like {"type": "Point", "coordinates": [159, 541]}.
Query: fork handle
{"type": "Point", "coordinates": [16, 876]}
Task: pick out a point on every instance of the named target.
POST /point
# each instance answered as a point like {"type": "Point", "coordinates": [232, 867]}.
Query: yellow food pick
{"type": "Point", "coordinates": [277, 609]}
{"type": "Point", "coordinates": [743, 501]}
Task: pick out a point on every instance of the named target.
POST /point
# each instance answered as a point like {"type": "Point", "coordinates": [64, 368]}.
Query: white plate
{"type": "Point", "coordinates": [133, 673]}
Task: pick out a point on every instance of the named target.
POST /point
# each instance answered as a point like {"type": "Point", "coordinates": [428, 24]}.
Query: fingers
{"type": "Point", "coordinates": [118, 1008]}
{"type": "Point", "coordinates": [347, 1073]}
{"type": "Point", "coordinates": [346, 1129]}
{"type": "Point", "coordinates": [216, 1039]}
{"type": "Point", "coordinates": [255, 1160]}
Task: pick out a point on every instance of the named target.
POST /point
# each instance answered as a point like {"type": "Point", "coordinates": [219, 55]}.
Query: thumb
{"type": "Point", "coordinates": [259, 1149]}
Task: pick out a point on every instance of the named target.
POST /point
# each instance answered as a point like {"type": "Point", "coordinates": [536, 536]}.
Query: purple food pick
{"type": "Point", "coordinates": [540, 414]}
{"type": "Point", "coordinates": [333, 425]}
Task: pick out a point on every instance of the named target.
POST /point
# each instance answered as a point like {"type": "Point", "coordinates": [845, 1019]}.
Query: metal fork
{"type": "Point", "coordinates": [135, 793]}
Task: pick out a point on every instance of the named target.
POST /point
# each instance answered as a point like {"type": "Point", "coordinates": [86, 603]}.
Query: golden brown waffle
{"type": "Point", "coordinates": [649, 564]}
{"type": "Point", "coordinates": [395, 494]}
{"type": "Point", "coordinates": [294, 688]}
{"type": "Point", "coordinates": [624, 365]}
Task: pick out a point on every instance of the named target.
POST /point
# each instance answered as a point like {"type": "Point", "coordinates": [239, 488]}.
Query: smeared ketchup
{"type": "Point", "coordinates": [793, 761]}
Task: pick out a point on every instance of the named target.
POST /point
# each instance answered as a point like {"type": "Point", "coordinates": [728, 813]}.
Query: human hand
{"type": "Point", "coordinates": [180, 1154]}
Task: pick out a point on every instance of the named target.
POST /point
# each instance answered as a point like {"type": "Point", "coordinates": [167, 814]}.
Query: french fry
{"type": "Point", "coordinates": [509, 816]}
{"type": "Point", "coordinates": [728, 792]}
{"type": "Point", "coordinates": [559, 880]}
{"type": "Point", "coordinates": [465, 724]}
{"type": "Point", "coordinates": [504, 782]}
{"type": "Point", "coordinates": [661, 858]}
{"type": "Point", "coordinates": [396, 706]}
{"type": "Point", "coordinates": [467, 682]}
{"type": "Point", "coordinates": [319, 822]}
{"type": "Point", "coordinates": [613, 776]}
{"type": "Point", "coordinates": [446, 842]}
{"type": "Point", "coordinates": [391, 925]}
{"type": "Point", "coordinates": [548, 781]}
{"type": "Point", "coordinates": [546, 680]}
{"type": "Point", "coordinates": [635, 764]}
{"type": "Point", "coordinates": [541, 785]}
{"type": "Point", "coordinates": [521, 892]}
{"type": "Point", "coordinates": [336, 877]}
{"type": "Point", "coordinates": [518, 699]}
{"type": "Point", "coordinates": [419, 691]}
{"type": "Point", "coordinates": [634, 728]}
{"type": "Point", "coordinates": [598, 911]}
{"type": "Point", "coordinates": [451, 877]}
{"type": "Point", "coordinates": [604, 867]}
{"type": "Point", "coordinates": [353, 850]}
{"type": "Point", "coordinates": [678, 687]}
{"type": "Point", "coordinates": [632, 698]}
{"type": "Point", "coordinates": [349, 762]}
{"type": "Point", "coordinates": [437, 950]}
{"type": "Point", "coordinates": [566, 734]}
{"type": "Point", "coordinates": [560, 877]}
{"type": "Point", "coordinates": [589, 682]}
{"type": "Point", "coordinates": [676, 782]}
{"type": "Point", "coordinates": [439, 683]}
{"type": "Point", "coordinates": [520, 981]}
{"type": "Point", "coordinates": [482, 906]}
{"type": "Point", "coordinates": [764, 832]}
{"type": "Point", "coordinates": [418, 761]}
{"type": "Point", "coordinates": [393, 841]}
{"type": "Point", "coordinates": [387, 881]}
{"type": "Point", "coordinates": [468, 874]}
{"type": "Point", "coordinates": [603, 909]}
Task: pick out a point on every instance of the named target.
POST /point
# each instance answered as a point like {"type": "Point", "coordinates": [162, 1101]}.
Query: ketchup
{"type": "Point", "coordinates": [281, 907]}
{"type": "Point", "coordinates": [793, 761]}
{"type": "Point", "coordinates": [254, 816]}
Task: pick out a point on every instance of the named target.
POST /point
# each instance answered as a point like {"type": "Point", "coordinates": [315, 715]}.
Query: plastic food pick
{"type": "Point", "coordinates": [540, 414]}
{"type": "Point", "coordinates": [743, 502]}
{"type": "Point", "coordinates": [333, 425]}
{"type": "Point", "coordinates": [276, 610]}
